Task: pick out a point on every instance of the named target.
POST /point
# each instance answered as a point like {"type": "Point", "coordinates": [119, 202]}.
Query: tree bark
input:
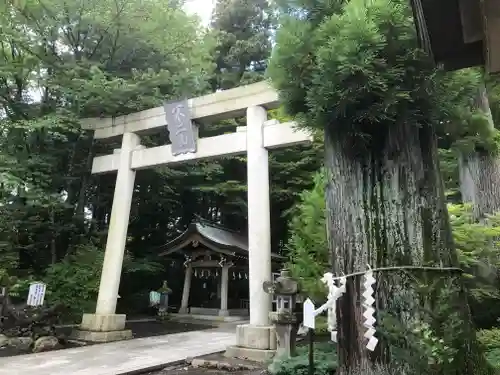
{"type": "Point", "coordinates": [386, 207]}
{"type": "Point", "coordinates": [479, 171]}
{"type": "Point", "coordinates": [53, 245]}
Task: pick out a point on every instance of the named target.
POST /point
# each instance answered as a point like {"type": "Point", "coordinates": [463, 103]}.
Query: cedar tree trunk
{"type": "Point", "coordinates": [480, 171]}
{"type": "Point", "coordinates": [386, 207]}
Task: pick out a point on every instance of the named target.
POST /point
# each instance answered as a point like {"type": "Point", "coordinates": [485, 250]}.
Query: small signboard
{"type": "Point", "coordinates": [154, 298]}
{"type": "Point", "coordinates": [180, 127]}
{"type": "Point", "coordinates": [309, 317]}
{"type": "Point", "coordinates": [36, 294]}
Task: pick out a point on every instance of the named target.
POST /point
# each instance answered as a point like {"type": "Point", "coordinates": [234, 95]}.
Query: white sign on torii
{"type": "Point", "coordinates": [255, 140]}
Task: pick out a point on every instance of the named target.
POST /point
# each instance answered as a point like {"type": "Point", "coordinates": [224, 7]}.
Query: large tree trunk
{"type": "Point", "coordinates": [386, 207]}
{"type": "Point", "coordinates": [480, 171]}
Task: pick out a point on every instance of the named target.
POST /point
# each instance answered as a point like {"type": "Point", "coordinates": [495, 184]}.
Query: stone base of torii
{"type": "Point", "coordinates": [256, 340]}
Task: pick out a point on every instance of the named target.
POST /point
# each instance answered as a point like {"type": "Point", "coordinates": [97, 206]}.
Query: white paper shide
{"type": "Point", "coordinates": [335, 291]}
{"type": "Point", "coordinates": [369, 310]}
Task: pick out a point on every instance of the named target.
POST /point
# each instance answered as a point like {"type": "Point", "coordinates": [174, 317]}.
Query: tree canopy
{"type": "Point", "coordinates": [65, 60]}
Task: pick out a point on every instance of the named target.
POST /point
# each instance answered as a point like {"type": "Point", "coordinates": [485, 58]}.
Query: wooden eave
{"type": "Point", "coordinates": [459, 33]}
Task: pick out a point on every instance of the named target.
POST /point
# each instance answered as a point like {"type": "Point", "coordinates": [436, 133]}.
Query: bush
{"type": "Point", "coordinates": [490, 339]}
{"type": "Point", "coordinates": [478, 249]}
{"type": "Point", "coordinates": [493, 358]}
{"type": "Point", "coordinates": [325, 361]}
{"type": "Point", "coordinates": [74, 281]}
{"type": "Point", "coordinates": [321, 325]}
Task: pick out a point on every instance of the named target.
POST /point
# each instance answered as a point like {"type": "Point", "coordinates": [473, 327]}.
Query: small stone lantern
{"type": "Point", "coordinates": [163, 305]}
{"type": "Point", "coordinates": [286, 318]}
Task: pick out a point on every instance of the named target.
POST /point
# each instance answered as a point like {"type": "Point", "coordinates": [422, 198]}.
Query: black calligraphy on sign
{"type": "Point", "coordinates": [180, 127]}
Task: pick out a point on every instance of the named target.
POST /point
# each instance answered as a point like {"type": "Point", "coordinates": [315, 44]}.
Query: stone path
{"type": "Point", "coordinates": [120, 357]}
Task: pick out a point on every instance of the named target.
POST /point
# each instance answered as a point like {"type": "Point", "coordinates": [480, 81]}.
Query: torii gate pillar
{"type": "Point", "coordinates": [257, 340]}
{"type": "Point", "coordinates": [105, 325]}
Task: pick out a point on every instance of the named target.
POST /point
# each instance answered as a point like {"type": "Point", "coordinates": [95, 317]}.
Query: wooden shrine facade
{"type": "Point", "coordinates": [216, 273]}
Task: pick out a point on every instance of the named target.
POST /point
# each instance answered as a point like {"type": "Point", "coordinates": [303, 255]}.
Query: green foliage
{"type": "Point", "coordinates": [321, 325]}
{"type": "Point", "coordinates": [416, 344]}
{"type": "Point", "coordinates": [493, 88]}
{"type": "Point", "coordinates": [478, 249]}
{"type": "Point", "coordinates": [325, 361]}
{"type": "Point", "coordinates": [493, 358]}
{"type": "Point", "coordinates": [437, 352]}
{"type": "Point", "coordinates": [74, 281]}
{"type": "Point", "coordinates": [244, 41]}
{"type": "Point", "coordinates": [428, 339]}
{"type": "Point", "coordinates": [5, 279]}
{"type": "Point", "coordinates": [490, 339]}
{"type": "Point", "coordinates": [308, 251]}
{"type": "Point", "coordinates": [448, 163]}
{"type": "Point", "coordinates": [464, 124]}
{"type": "Point", "coordinates": [344, 72]}
{"type": "Point", "coordinates": [81, 59]}
{"type": "Point", "coordinates": [476, 134]}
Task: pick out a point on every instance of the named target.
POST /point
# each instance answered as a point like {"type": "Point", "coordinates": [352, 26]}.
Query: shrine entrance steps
{"type": "Point", "coordinates": [121, 357]}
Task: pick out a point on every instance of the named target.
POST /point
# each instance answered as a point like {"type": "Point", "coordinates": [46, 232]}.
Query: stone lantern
{"type": "Point", "coordinates": [286, 318]}
{"type": "Point", "coordinates": [163, 305]}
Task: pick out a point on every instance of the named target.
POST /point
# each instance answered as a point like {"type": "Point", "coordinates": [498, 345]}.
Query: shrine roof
{"type": "Point", "coordinates": [440, 30]}
{"type": "Point", "coordinates": [215, 237]}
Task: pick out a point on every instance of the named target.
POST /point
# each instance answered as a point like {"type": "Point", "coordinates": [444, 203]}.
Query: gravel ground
{"type": "Point", "coordinates": [188, 370]}
{"type": "Point", "coordinates": [213, 364]}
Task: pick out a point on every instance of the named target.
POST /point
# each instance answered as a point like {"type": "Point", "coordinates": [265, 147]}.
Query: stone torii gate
{"type": "Point", "coordinates": [255, 140]}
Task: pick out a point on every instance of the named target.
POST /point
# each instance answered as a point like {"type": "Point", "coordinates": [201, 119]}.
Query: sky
{"type": "Point", "coordinates": [203, 8]}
